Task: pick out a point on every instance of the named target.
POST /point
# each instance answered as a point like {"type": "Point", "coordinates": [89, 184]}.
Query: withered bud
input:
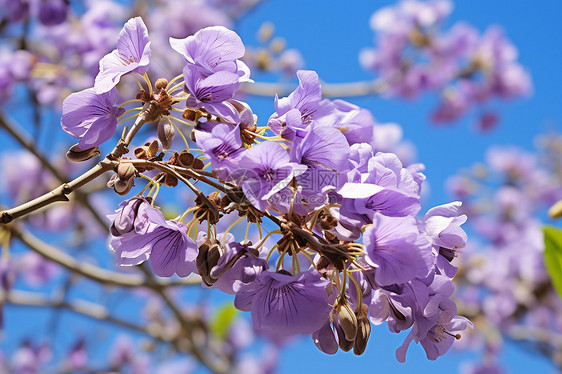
{"type": "Point", "coordinates": [345, 345]}
{"type": "Point", "coordinates": [185, 159]}
{"type": "Point", "coordinates": [347, 318]}
{"type": "Point", "coordinates": [190, 114]}
{"type": "Point", "coordinates": [122, 187]}
{"type": "Point", "coordinates": [166, 132]}
{"type": "Point", "coordinates": [147, 151]}
{"type": "Point", "coordinates": [125, 171]}
{"type": "Point", "coordinates": [327, 221]}
{"type": "Point", "coordinates": [168, 180]}
{"type": "Point", "coordinates": [207, 259]}
{"type": "Point", "coordinates": [161, 84]}
{"type": "Point", "coordinates": [77, 154]}
{"type": "Point", "coordinates": [198, 164]}
{"type": "Point", "coordinates": [363, 331]}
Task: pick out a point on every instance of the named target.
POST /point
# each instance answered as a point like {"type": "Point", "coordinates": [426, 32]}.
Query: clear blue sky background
{"type": "Point", "coordinates": [330, 34]}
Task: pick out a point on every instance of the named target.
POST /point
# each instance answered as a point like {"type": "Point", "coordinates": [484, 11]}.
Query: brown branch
{"type": "Point", "coordinates": [100, 275]}
{"type": "Point", "coordinates": [60, 193]}
{"type": "Point", "coordinates": [18, 134]}
{"type": "Point", "coordinates": [81, 307]}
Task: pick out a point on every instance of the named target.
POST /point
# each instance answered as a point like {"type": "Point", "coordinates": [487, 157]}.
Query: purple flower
{"type": "Point", "coordinates": [213, 71]}
{"type": "Point", "coordinates": [266, 171]}
{"type": "Point", "coordinates": [396, 250]}
{"type": "Point", "coordinates": [91, 117]}
{"type": "Point", "coordinates": [223, 147]}
{"type": "Point", "coordinates": [294, 114]}
{"type": "Point", "coordinates": [239, 263]}
{"type": "Point", "coordinates": [284, 303]}
{"type": "Point", "coordinates": [322, 147]}
{"type": "Point", "coordinates": [140, 232]}
{"type": "Point", "coordinates": [442, 225]}
{"type": "Point", "coordinates": [132, 55]}
{"type": "Point", "coordinates": [354, 122]}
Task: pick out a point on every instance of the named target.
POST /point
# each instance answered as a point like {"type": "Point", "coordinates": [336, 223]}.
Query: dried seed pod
{"type": "Point", "coordinates": [166, 132]}
{"type": "Point", "coordinates": [77, 154]}
{"type": "Point", "coordinates": [344, 344]}
{"type": "Point", "coordinates": [363, 331]}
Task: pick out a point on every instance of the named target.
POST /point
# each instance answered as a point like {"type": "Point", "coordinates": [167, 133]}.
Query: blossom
{"type": "Point", "coordinates": [396, 250]}
{"type": "Point", "coordinates": [140, 232]}
{"type": "Point", "coordinates": [91, 117]}
{"type": "Point", "coordinates": [294, 114]}
{"type": "Point", "coordinates": [213, 70]}
{"type": "Point", "coordinates": [223, 147]}
{"type": "Point", "coordinates": [285, 303]}
{"type": "Point", "coordinates": [132, 55]}
{"type": "Point", "coordinates": [266, 171]}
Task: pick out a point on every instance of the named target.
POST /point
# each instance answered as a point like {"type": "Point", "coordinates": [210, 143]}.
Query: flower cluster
{"type": "Point", "coordinates": [504, 283]}
{"type": "Point", "coordinates": [349, 248]}
{"type": "Point", "coordinates": [415, 55]}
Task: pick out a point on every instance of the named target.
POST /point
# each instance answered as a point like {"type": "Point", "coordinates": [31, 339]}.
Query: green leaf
{"type": "Point", "coordinates": [553, 255]}
{"type": "Point", "coordinates": [223, 319]}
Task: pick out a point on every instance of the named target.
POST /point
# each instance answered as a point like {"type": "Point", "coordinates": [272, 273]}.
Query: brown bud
{"type": "Point", "coordinates": [363, 331]}
{"type": "Point", "coordinates": [327, 221]}
{"type": "Point", "coordinates": [152, 149]}
{"type": "Point", "coordinates": [190, 114]}
{"type": "Point", "coordinates": [344, 344]}
{"type": "Point", "coordinates": [166, 132]}
{"type": "Point", "coordinates": [198, 164]}
{"type": "Point", "coordinates": [161, 84]}
{"type": "Point", "coordinates": [125, 171]}
{"type": "Point", "coordinates": [185, 159]}
{"type": "Point", "coordinates": [347, 318]}
{"type": "Point", "coordinates": [122, 187]}
{"type": "Point", "coordinates": [208, 257]}
{"type": "Point", "coordinates": [168, 180]}
{"type": "Point", "coordinates": [77, 154]}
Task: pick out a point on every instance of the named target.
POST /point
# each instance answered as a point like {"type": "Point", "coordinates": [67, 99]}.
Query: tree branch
{"type": "Point", "coordinates": [97, 274]}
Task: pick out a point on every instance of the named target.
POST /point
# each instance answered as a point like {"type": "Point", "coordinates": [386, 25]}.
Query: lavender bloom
{"type": "Point", "coordinates": [240, 263]}
{"type": "Point", "coordinates": [140, 232]}
{"type": "Point", "coordinates": [223, 147]}
{"type": "Point", "coordinates": [91, 117]}
{"type": "Point", "coordinates": [284, 303]}
{"type": "Point", "coordinates": [294, 114]}
{"type": "Point", "coordinates": [132, 55]}
{"type": "Point", "coordinates": [213, 71]}
{"type": "Point", "coordinates": [396, 250]}
{"type": "Point", "coordinates": [354, 122]}
{"type": "Point", "coordinates": [35, 270]}
{"type": "Point", "coordinates": [442, 226]}
{"type": "Point", "coordinates": [267, 171]}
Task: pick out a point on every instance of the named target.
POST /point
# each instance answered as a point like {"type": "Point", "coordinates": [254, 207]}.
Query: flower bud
{"type": "Point", "coordinates": [207, 259]}
{"type": "Point", "coordinates": [185, 159]}
{"type": "Point", "coordinates": [161, 84]}
{"type": "Point", "coordinates": [197, 164]}
{"type": "Point", "coordinates": [327, 221]}
{"type": "Point", "coordinates": [166, 132]}
{"type": "Point", "coordinates": [126, 171]}
{"type": "Point", "coordinates": [120, 186]}
{"type": "Point", "coordinates": [347, 318]}
{"type": "Point", "coordinates": [77, 154]}
{"type": "Point", "coordinates": [363, 331]}
{"type": "Point", "coordinates": [344, 344]}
